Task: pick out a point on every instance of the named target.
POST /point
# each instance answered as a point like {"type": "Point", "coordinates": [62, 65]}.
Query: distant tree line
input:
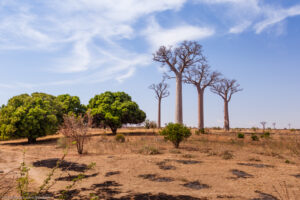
{"type": "Point", "coordinates": [41, 114]}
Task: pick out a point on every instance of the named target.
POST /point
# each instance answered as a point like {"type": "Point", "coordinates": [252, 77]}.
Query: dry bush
{"type": "Point", "coordinates": [76, 128]}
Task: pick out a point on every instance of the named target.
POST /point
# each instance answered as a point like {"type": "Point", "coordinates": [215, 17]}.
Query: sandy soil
{"type": "Point", "coordinates": [214, 166]}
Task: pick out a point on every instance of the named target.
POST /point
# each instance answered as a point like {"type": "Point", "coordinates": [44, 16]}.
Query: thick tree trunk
{"type": "Point", "coordinates": [31, 140]}
{"type": "Point", "coordinates": [158, 117]}
{"type": "Point", "coordinates": [178, 108]}
{"type": "Point", "coordinates": [113, 130]}
{"type": "Point", "coordinates": [226, 116]}
{"type": "Point", "coordinates": [200, 109]}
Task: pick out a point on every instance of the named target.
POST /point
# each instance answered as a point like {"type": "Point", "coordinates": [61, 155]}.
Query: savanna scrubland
{"type": "Point", "coordinates": [215, 165]}
{"type": "Point", "coordinates": [58, 148]}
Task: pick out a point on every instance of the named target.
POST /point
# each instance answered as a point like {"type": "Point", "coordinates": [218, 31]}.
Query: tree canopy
{"type": "Point", "coordinates": [30, 116]}
{"type": "Point", "coordinates": [114, 109]}
{"type": "Point", "coordinates": [71, 104]}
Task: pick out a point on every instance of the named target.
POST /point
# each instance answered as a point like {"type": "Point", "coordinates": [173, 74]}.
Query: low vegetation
{"type": "Point", "coordinates": [176, 133]}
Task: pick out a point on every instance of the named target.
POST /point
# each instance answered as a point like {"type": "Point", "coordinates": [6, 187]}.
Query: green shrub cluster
{"type": "Point", "coordinates": [241, 135]}
{"type": "Point", "coordinates": [176, 133]}
{"type": "Point", "coordinates": [254, 137]}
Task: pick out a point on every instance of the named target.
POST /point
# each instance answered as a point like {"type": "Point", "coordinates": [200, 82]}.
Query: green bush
{"type": "Point", "coordinates": [241, 135]}
{"type": "Point", "coordinates": [120, 137]}
{"type": "Point", "coordinates": [254, 137]}
{"type": "Point", "coordinates": [265, 135]}
{"type": "Point", "coordinates": [176, 133]}
{"type": "Point", "coordinates": [201, 131]}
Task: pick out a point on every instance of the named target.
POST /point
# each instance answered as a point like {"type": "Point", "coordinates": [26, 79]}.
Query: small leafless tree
{"type": "Point", "coordinates": [274, 125]}
{"type": "Point", "coordinates": [178, 59]}
{"type": "Point", "coordinates": [201, 77]}
{"type": "Point", "coordinates": [77, 128]}
{"type": "Point", "coordinates": [225, 88]}
{"type": "Point", "coordinates": [161, 91]}
{"type": "Point", "coordinates": [263, 125]}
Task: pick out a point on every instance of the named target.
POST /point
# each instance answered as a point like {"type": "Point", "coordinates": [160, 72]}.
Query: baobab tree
{"type": "Point", "coordinates": [225, 88]}
{"type": "Point", "coordinates": [201, 77]}
{"type": "Point", "coordinates": [274, 125]}
{"type": "Point", "coordinates": [178, 59]}
{"type": "Point", "coordinates": [263, 125]}
{"type": "Point", "coordinates": [161, 91]}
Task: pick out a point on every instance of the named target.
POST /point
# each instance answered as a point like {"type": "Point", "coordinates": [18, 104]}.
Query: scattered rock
{"type": "Point", "coordinates": [196, 185]}
{"type": "Point", "coordinates": [112, 173]}
{"type": "Point", "coordinates": [264, 196]}
{"type": "Point", "coordinates": [154, 177]}
{"type": "Point", "coordinates": [256, 165]}
{"type": "Point", "coordinates": [241, 174]}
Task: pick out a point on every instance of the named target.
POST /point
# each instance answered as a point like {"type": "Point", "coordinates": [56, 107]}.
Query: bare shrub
{"type": "Point", "coordinates": [76, 128]}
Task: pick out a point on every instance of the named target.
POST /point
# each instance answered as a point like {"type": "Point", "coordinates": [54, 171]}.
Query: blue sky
{"type": "Point", "coordinates": [86, 47]}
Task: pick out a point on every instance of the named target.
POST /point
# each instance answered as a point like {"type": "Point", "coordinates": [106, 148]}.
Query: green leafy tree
{"type": "Point", "coordinates": [114, 109]}
{"type": "Point", "coordinates": [30, 116]}
{"type": "Point", "coordinates": [176, 133]}
{"type": "Point", "coordinates": [71, 104]}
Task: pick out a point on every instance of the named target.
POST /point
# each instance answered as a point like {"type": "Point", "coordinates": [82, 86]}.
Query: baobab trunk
{"type": "Point", "coordinates": [158, 117]}
{"type": "Point", "coordinates": [200, 109]}
{"type": "Point", "coordinates": [178, 109]}
{"type": "Point", "coordinates": [226, 116]}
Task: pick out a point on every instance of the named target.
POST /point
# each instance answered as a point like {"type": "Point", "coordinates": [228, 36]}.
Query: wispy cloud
{"type": "Point", "coordinates": [157, 36]}
{"type": "Point", "coordinates": [274, 16]}
{"type": "Point", "coordinates": [254, 15]}
{"type": "Point", "coordinates": [90, 31]}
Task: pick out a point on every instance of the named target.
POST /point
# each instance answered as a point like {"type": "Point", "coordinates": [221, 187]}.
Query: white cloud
{"type": "Point", "coordinates": [90, 30]}
{"type": "Point", "coordinates": [254, 14]}
{"type": "Point", "coordinates": [274, 16]}
{"type": "Point", "coordinates": [158, 36]}
{"type": "Point", "coordinates": [240, 27]}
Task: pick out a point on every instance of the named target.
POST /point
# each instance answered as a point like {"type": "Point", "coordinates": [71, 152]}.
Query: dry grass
{"type": "Point", "coordinates": [207, 159]}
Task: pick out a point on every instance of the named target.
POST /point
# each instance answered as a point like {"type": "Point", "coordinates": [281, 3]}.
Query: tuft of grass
{"type": "Point", "coordinates": [149, 150]}
{"type": "Point", "coordinates": [120, 137]}
{"type": "Point", "coordinates": [188, 156]}
{"type": "Point", "coordinates": [227, 155]}
{"type": "Point", "coordinates": [175, 151]}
